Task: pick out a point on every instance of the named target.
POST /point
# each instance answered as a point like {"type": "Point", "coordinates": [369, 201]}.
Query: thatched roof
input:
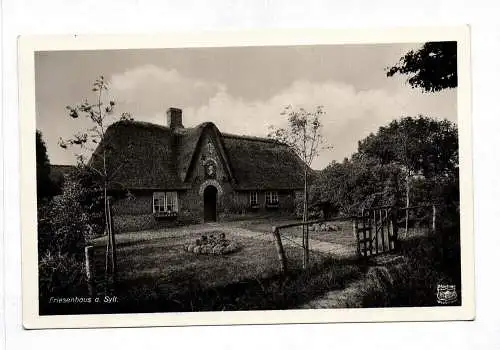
{"type": "Point", "coordinates": [262, 164]}
{"type": "Point", "coordinates": [148, 156]}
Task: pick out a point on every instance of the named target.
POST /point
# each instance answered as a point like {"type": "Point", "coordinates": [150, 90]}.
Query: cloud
{"type": "Point", "coordinates": [147, 89]}
{"type": "Point", "coordinates": [351, 114]}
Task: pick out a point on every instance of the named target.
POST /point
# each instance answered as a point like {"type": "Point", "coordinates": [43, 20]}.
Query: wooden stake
{"type": "Point", "coordinates": [113, 242]}
{"type": "Point", "coordinates": [433, 219]}
{"type": "Point", "coordinates": [280, 250]}
{"type": "Point", "coordinates": [89, 268]}
{"type": "Point", "coordinates": [383, 235]}
{"type": "Point", "coordinates": [356, 234]}
{"type": "Point", "coordinates": [365, 226]}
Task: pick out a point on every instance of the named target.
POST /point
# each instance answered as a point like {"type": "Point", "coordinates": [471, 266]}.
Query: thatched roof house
{"type": "Point", "coordinates": [195, 174]}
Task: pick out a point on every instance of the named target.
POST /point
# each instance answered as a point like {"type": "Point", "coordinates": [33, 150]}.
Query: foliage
{"type": "Point", "coordinates": [303, 134]}
{"type": "Point", "coordinates": [99, 113]}
{"type": "Point", "coordinates": [63, 224]}
{"type": "Point", "coordinates": [92, 139]}
{"type": "Point", "coordinates": [91, 199]}
{"type": "Point", "coordinates": [432, 68]}
{"type": "Point", "coordinates": [63, 228]}
{"type": "Point", "coordinates": [421, 145]}
{"type": "Point", "coordinates": [412, 282]}
{"type": "Point", "coordinates": [419, 152]}
{"type": "Point", "coordinates": [60, 275]}
{"type": "Point", "coordinates": [44, 186]}
{"type": "Point", "coordinates": [343, 187]}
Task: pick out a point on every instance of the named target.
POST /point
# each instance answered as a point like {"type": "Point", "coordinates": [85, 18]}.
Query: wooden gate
{"type": "Point", "coordinates": [376, 231]}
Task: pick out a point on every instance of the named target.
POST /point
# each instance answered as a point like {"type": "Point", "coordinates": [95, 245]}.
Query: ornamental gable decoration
{"type": "Point", "coordinates": [209, 161]}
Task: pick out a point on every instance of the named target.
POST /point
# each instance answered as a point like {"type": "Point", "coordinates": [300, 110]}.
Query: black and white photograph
{"type": "Point", "coordinates": [195, 179]}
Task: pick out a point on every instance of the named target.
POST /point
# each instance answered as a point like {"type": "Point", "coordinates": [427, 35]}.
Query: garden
{"type": "Point", "coordinates": [157, 273]}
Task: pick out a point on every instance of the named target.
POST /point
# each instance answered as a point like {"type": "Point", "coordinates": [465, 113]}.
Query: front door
{"type": "Point", "coordinates": [210, 203]}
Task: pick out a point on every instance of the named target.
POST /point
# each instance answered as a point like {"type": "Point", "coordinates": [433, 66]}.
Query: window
{"type": "Point", "coordinates": [171, 201]}
{"type": "Point", "coordinates": [165, 202]}
{"type": "Point", "coordinates": [272, 198]}
{"type": "Point", "coordinates": [158, 202]}
{"type": "Point", "coordinates": [254, 198]}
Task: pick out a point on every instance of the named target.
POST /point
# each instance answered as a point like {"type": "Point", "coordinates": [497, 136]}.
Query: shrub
{"type": "Point", "coordinates": [91, 199]}
{"type": "Point", "coordinates": [60, 275]}
{"type": "Point", "coordinates": [63, 224]}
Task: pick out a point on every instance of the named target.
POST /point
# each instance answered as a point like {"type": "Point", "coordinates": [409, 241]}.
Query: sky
{"type": "Point", "coordinates": [243, 90]}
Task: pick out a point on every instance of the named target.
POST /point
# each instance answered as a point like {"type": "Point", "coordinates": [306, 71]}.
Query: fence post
{"type": "Point", "coordinates": [356, 234]}
{"type": "Point", "coordinates": [279, 249]}
{"type": "Point", "coordinates": [394, 237]}
{"type": "Point", "coordinates": [113, 241]}
{"type": "Point", "coordinates": [89, 268]}
{"type": "Point", "coordinates": [433, 219]}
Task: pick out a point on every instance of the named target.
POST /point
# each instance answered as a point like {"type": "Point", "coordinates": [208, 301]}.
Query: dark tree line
{"type": "Point", "coordinates": [45, 187]}
{"type": "Point", "coordinates": [410, 161]}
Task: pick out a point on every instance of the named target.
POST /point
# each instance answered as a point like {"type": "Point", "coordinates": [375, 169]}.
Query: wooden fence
{"type": "Point", "coordinates": [376, 231]}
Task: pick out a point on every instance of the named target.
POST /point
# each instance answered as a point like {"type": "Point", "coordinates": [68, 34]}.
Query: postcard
{"type": "Point", "coordinates": [259, 177]}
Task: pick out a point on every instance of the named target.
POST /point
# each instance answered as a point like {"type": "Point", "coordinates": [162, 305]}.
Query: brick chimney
{"type": "Point", "coordinates": [174, 118]}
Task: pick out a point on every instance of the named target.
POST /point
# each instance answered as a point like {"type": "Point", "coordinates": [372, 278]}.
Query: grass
{"type": "Point", "coordinates": [163, 259]}
{"type": "Point", "coordinates": [410, 279]}
{"type": "Point", "coordinates": [155, 274]}
{"type": "Point", "coordinates": [344, 236]}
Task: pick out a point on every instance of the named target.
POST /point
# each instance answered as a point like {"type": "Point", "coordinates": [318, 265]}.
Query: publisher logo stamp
{"type": "Point", "coordinates": [446, 294]}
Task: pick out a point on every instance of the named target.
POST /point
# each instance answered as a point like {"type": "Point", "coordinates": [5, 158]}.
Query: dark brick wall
{"type": "Point", "coordinates": [137, 213]}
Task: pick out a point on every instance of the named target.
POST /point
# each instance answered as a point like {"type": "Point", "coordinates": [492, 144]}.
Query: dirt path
{"type": "Point", "coordinates": [321, 247]}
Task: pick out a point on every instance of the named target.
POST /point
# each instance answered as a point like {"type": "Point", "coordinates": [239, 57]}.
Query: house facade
{"type": "Point", "coordinates": [168, 174]}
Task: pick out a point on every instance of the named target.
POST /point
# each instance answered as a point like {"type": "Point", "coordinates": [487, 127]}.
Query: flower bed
{"type": "Point", "coordinates": [212, 244]}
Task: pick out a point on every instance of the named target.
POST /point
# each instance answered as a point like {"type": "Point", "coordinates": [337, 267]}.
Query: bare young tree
{"type": "Point", "coordinates": [100, 114]}
{"type": "Point", "coordinates": [303, 135]}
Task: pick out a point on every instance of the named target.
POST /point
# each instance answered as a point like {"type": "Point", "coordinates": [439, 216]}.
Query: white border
{"type": "Point", "coordinates": [28, 45]}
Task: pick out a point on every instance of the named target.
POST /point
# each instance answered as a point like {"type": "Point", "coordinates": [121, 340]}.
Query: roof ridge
{"type": "Point", "coordinates": [139, 123]}
{"type": "Point", "coordinates": [159, 126]}
{"type": "Point", "coordinates": [248, 137]}
{"type": "Point", "coordinates": [199, 126]}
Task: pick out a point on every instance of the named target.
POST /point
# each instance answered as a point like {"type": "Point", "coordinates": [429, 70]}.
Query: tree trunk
{"type": "Point", "coordinates": [407, 203]}
{"type": "Point", "coordinates": [106, 228]}
{"type": "Point", "coordinates": [305, 227]}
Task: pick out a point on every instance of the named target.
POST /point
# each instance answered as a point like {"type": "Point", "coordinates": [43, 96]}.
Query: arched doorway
{"type": "Point", "coordinates": [210, 203]}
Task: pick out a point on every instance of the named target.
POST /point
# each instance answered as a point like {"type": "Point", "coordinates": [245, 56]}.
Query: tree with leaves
{"type": "Point", "coordinates": [432, 68]}
{"type": "Point", "coordinates": [421, 147]}
{"type": "Point", "coordinates": [303, 135]}
{"type": "Point", "coordinates": [44, 185]}
{"type": "Point", "coordinates": [344, 187]}
{"type": "Point", "coordinates": [92, 140]}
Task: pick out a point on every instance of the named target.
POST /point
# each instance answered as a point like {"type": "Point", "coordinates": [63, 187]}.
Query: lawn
{"type": "Point", "coordinates": [342, 236]}
{"type": "Point", "coordinates": [165, 260]}
{"type": "Point", "coordinates": [156, 274]}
